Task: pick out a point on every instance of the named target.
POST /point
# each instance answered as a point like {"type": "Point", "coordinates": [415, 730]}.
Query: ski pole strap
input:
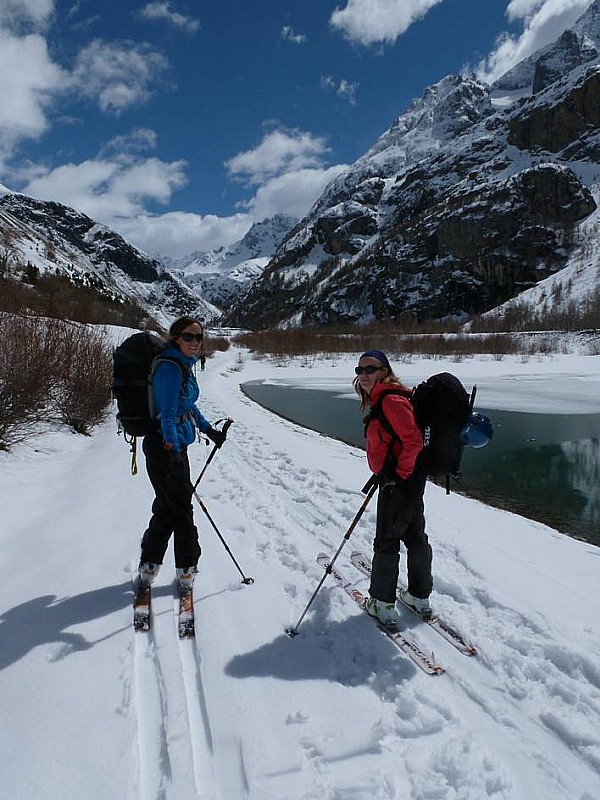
{"type": "Point", "coordinates": [134, 467]}
{"type": "Point", "coordinates": [132, 442]}
{"type": "Point", "coordinates": [226, 426]}
{"type": "Point", "coordinates": [227, 423]}
{"type": "Point", "coordinates": [372, 483]}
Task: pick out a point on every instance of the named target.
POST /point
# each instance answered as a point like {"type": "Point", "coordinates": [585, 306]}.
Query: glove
{"type": "Point", "coordinates": [389, 477]}
{"type": "Point", "coordinates": [218, 437]}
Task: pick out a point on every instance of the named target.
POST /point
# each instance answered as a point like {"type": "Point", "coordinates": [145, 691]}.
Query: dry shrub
{"type": "Point", "coordinates": [51, 371]}
{"type": "Point", "coordinates": [57, 296]}
{"type": "Point", "coordinates": [81, 395]}
{"type": "Point", "coordinates": [307, 341]}
{"type": "Point", "coordinates": [215, 343]}
{"type": "Point", "coordinates": [27, 368]}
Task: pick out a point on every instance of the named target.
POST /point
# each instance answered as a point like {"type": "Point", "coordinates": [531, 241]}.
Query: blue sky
{"type": "Point", "coordinates": [178, 122]}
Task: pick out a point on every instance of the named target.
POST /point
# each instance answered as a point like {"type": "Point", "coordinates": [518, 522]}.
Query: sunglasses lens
{"type": "Point", "coordinates": [370, 370]}
{"type": "Point", "coordinates": [189, 337]}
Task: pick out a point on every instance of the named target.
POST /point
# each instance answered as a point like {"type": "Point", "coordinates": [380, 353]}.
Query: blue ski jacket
{"type": "Point", "coordinates": [176, 410]}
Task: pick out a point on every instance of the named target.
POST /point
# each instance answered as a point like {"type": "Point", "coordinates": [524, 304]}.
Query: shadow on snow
{"type": "Point", "coordinates": [352, 652]}
{"type": "Point", "coordinates": [45, 620]}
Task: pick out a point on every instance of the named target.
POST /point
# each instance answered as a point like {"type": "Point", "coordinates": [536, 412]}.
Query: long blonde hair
{"type": "Point", "coordinates": [389, 380]}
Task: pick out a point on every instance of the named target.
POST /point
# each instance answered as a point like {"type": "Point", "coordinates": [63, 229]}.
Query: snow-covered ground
{"type": "Point", "coordinates": [91, 710]}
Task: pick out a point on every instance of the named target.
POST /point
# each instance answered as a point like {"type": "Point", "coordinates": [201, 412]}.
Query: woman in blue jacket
{"type": "Point", "coordinates": [175, 392]}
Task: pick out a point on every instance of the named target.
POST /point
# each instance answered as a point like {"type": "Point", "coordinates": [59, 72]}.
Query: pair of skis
{"type": "Point", "coordinates": [142, 612]}
{"type": "Point", "coordinates": [424, 661]}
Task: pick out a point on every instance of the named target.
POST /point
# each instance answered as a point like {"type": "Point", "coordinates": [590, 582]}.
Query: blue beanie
{"type": "Point", "coordinates": [381, 357]}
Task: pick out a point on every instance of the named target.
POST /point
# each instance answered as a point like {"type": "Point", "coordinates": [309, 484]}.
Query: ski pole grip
{"type": "Point", "coordinates": [370, 484]}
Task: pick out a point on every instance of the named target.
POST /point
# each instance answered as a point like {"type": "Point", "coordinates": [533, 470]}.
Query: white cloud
{"type": "Point", "coordinates": [543, 22]}
{"type": "Point", "coordinates": [368, 22]}
{"type": "Point", "coordinates": [287, 33]}
{"type": "Point", "coordinates": [344, 89]}
{"type": "Point", "coordinates": [179, 233]}
{"type": "Point", "coordinates": [109, 189]}
{"type": "Point", "coordinates": [117, 74]}
{"type": "Point", "coordinates": [520, 9]}
{"type": "Point", "coordinates": [30, 81]}
{"type": "Point", "coordinates": [347, 90]}
{"type": "Point", "coordinates": [137, 141]}
{"type": "Point", "coordinates": [327, 83]}
{"type": "Point", "coordinates": [115, 189]}
{"type": "Point", "coordinates": [292, 193]}
{"type": "Point", "coordinates": [279, 152]}
{"type": "Point", "coordinates": [163, 11]}
{"type": "Point", "coordinates": [17, 15]}
{"type": "Point", "coordinates": [117, 186]}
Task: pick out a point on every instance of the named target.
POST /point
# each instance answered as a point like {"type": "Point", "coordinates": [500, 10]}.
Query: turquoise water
{"type": "Point", "coordinates": [543, 466]}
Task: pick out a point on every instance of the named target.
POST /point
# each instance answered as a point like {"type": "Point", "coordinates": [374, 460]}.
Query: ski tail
{"type": "Point", "coordinates": [142, 608]}
{"type": "Point", "coordinates": [186, 621]}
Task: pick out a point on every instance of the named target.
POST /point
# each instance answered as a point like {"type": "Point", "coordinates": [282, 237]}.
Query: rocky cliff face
{"type": "Point", "coordinates": [456, 208]}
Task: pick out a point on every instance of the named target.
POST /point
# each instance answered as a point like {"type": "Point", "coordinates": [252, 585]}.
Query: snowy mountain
{"type": "Point", "coordinates": [55, 238]}
{"type": "Point", "coordinates": [223, 274]}
{"type": "Point", "coordinates": [575, 47]}
{"type": "Point", "coordinates": [462, 204]}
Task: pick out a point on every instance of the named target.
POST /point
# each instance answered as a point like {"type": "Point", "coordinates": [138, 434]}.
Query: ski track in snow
{"type": "Point", "coordinates": [173, 727]}
{"type": "Point", "coordinates": [243, 712]}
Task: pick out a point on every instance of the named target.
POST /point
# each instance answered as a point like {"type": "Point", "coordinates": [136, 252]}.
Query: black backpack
{"type": "Point", "coordinates": [134, 363]}
{"type": "Point", "coordinates": [442, 408]}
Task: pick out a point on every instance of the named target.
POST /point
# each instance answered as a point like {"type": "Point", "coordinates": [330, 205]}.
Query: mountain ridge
{"type": "Point", "coordinates": [457, 207]}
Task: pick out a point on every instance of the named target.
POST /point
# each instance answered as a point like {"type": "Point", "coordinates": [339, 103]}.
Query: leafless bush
{"type": "Point", "coordinates": [59, 297]}
{"type": "Point", "coordinates": [308, 341]}
{"type": "Point", "coordinates": [27, 370]}
{"type": "Point", "coordinates": [50, 371]}
{"type": "Point", "coordinates": [520, 316]}
{"type": "Point", "coordinates": [213, 343]}
{"type": "Point", "coordinates": [81, 395]}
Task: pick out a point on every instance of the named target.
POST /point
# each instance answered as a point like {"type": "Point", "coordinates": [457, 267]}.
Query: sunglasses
{"type": "Point", "coordinates": [370, 370]}
{"type": "Point", "coordinates": [189, 337]}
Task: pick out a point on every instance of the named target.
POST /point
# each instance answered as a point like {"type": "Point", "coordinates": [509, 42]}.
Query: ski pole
{"type": "Point", "coordinates": [370, 488]}
{"type": "Point", "coordinates": [218, 532]}
{"type": "Point", "coordinates": [228, 423]}
{"type": "Point", "coordinates": [458, 474]}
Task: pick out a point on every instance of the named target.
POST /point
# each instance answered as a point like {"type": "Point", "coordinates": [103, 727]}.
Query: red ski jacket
{"type": "Point", "coordinates": [399, 413]}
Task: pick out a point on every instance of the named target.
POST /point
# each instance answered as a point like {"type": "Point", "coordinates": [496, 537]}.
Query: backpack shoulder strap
{"type": "Point", "coordinates": [376, 411]}
{"type": "Point", "coordinates": [185, 374]}
{"type": "Point", "coordinates": [185, 370]}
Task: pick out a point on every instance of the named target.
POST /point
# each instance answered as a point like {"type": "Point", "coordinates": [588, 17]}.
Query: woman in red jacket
{"type": "Point", "coordinates": [394, 442]}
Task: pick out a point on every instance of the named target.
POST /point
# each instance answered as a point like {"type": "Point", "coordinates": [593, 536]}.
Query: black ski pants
{"type": "Point", "coordinates": [401, 518]}
{"type": "Point", "coordinates": [172, 511]}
